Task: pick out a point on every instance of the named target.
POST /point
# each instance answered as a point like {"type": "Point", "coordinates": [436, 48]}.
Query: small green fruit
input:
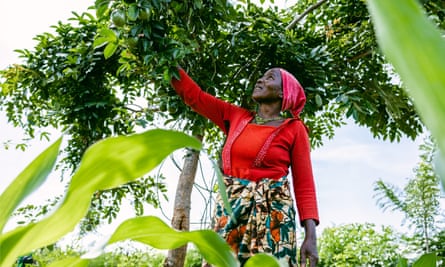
{"type": "Point", "coordinates": [132, 43]}
{"type": "Point", "coordinates": [118, 18]}
{"type": "Point", "coordinates": [144, 14]}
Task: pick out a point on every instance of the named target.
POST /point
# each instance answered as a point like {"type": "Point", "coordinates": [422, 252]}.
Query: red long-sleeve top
{"type": "Point", "coordinates": [256, 151]}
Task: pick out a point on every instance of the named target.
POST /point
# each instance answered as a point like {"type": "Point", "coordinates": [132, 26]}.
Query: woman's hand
{"type": "Point", "coordinates": [308, 250]}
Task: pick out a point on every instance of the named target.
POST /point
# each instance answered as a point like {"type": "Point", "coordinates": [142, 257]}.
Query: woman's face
{"type": "Point", "coordinates": [268, 87]}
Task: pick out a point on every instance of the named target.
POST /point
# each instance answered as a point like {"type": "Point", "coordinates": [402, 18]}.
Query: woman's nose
{"type": "Point", "coordinates": [260, 80]}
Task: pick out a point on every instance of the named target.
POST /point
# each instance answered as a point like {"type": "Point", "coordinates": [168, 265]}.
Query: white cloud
{"type": "Point", "coordinates": [346, 169]}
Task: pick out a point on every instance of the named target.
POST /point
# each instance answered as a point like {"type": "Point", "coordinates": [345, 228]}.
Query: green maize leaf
{"type": "Point", "coordinates": [416, 48]}
{"type": "Point", "coordinates": [402, 262]}
{"type": "Point", "coordinates": [152, 231]}
{"type": "Point", "coordinates": [263, 260]}
{"type": "Point", "coordinates": [426, 260]}
{"type": "Point", "coordinates": [106, 164]}
{"type": "Point", "coordinates": [439, 166]}
{"type": "Point", "coordinates": [27, 181]}
{"type": "Point", "coordinates": [223, 192]}
{"type": "Point", "coordinates": [70, 262]}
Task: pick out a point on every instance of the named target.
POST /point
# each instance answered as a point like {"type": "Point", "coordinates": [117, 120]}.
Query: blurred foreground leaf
{"type": "Point", "coordinates": [416, 48]}
{"type": "Point", "coordinates": [154, 232]}
{"type": "Point", "coordinates": [426, 260]}
{"type": "Point", "coordinates": [106, 164]}
{"type": "Point", "coordinates": [27, 181]}
{"type": "Point", "coordinates": [262, 260]}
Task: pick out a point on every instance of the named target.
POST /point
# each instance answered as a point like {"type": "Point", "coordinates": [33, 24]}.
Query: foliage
{"type": "Point", "coordinates": [422, 72]}
{"type": "Point", "coordinates": [193, 259]}
{"type": "Point", "coordinates": [119, 256]}
{"type": "Point", "coordinates": [438, 245]}
{"type": "Point", "coordinates": [106, 164]}
{"type": "Point", "coordinates": [65, 85]}
{"type": "Point", "coordinates": [105, 204]}
{"type": "Point", "coordinates": [68, 85]}
{"type": "Point", "coordinates": [224, 46]}
{"type": "Point", "coordinates": [45, 256]}
{"type": "Point", "coordinates": [198, 35]}
{"type": "Point", "coordinates": [108, 74]}
{"type": "Point", "coordinates": [419, 199]}
{"type": "Point", "coordinates": [358, 79]}
{"type": "Point", "coordinates": [417, 56]}
{"type": "Point", "coordinates": [29, 179]}
{"type": "Point", "coordinates": [32, 213]}
{"type": "Point", "coordinates": [358, 245]}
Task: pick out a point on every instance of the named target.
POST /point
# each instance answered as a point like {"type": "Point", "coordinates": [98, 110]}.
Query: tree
{"type": "Point", "coordinates": [108, 74]}
{"type": "Point", "coordinates": [358, 245]}
{"type": "Point", "coordinates": [418, 201]}
{"type": "Point", "coordinates": [424, 80]}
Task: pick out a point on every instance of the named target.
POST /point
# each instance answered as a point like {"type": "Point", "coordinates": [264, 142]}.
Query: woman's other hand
{"type": "Point", "coordinates": [308, 250]}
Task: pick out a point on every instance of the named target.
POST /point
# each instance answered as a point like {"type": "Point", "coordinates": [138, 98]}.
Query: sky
{"type": "Point", "coordinates": [345, 168]}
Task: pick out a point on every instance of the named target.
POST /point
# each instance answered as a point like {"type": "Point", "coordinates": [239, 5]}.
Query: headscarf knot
{"type": "Point", "coordinates": [294, 97]}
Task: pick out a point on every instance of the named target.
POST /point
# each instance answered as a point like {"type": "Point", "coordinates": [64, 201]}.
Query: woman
{"type": "Point", "coordinates": [259, 149]}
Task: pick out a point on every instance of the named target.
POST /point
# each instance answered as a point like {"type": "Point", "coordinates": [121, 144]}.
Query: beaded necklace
{"type": "Point", "coordinates": [260, 120]}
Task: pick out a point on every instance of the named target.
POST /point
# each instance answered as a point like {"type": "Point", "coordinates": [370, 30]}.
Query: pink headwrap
{"type": "Point", "coordinates": [293, 94]}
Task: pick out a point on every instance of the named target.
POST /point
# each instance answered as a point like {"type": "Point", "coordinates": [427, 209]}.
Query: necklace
{"type": "Point", "coordinates": [260, 120]}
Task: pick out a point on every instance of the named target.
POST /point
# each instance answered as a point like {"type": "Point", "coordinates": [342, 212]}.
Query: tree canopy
{"type": "Point", "coordinates": [108, 73]}
{"type": "Point", "coordinates": [419, 200]}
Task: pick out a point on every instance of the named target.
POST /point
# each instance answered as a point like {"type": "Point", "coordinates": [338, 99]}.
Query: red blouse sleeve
{"type": "Point", "coordinates": [203, 103]}
{"type": "Point", "coordinates": [303, 179]}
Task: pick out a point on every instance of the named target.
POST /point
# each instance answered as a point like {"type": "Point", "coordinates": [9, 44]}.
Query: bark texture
{"type": "Point", "coordinates": [181, 212]}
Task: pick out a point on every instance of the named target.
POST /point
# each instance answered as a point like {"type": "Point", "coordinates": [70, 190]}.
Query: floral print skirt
{"type": "Point", "coordinates": [264, 219]}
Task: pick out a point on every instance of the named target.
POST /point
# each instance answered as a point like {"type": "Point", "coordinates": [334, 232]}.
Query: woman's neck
{"type": "Point", "coordinates": [269, 111]}
{"type": "Point", "coordinates": [268, 115]}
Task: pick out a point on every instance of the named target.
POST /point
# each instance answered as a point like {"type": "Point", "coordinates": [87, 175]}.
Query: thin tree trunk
{"type": "Point", "coordinates": [426, 236]}
{"type": "Point", "coordinates": [181, 211]}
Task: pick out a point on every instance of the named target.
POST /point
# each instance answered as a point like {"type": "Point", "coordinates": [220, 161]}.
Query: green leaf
{"type": "Point", "coordinates": [70, 262]}
{"type": "Point", "coordinates": [101, 6]}
{"type": "Point", "coordinates": [109, 50]}
{"type": "Point", "coordinates": [100, 41]}
{"type": "Point", "coordinates": [106, 164]}
{"type": "Point", "coordinates": [166, 75]}
{"type": "Point", "coordinates": [159, 235]}
{"type": "Point", "coordinates": [109, 34]}
{"type": "Point", "coordinates": [133, 12]}
{"type": "Point", "coordinates": [318, 100]}
{"type": "Point", "coordinates": [197, 4]}
{"type": "Point", "coordinates": [416, 48]}
{"type": "Point", "coordinates": [27, 181]}
{"type": "Point", "coordinates": [402, 262]}
{"type": "Point", "coordinates": [263, 260]}
{"type": "Point", "coordinates": [426, 260]}
{"type": "Point", "coordinates": [222, 191]}
{"type": "Point", "coordinates": [439, 167]}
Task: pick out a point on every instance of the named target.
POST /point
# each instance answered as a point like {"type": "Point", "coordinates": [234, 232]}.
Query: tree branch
{"type": "Point", "coordinates": [307, 11]}
{"type": "Point", "coordinates": [364, 54]}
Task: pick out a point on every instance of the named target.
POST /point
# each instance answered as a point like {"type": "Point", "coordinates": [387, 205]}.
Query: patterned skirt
{"type": "Point", "coordinates": [264, 219]}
